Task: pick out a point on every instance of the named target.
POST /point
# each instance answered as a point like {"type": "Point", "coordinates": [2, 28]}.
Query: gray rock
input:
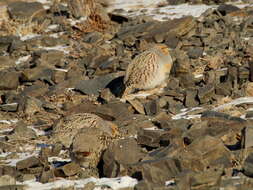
{"type": "Point", "coordinates": [224, 89]}
{"type": "Point", "coordinates": [32, 106]}
{"type": "Point", "coordinates": [160, 170]}
{"type": "Point", "coordinates": [7, 180]}
{"type": "Point", "coordinates": [5, 43]}
{"type": "Point", "coordinates": [12, 107]}
{"type": "Point", "coordinates": [21, 131]}
{"type": "Point", "coordinates": [119, 155]}
{"type": "Point", "coordinates": [152, 138]}
{"type": "Point", "coordinates": [226, 9]}
{"type": "Point", "coordinates": [205, 93]}
{"type": "Point", "coordinates": [251, 70]}
{"type": "Point", "coordinates": [36, 73]}
{"type": "Point", "coordinates": [190, 98]}
{"type": "Point", "coordinates": [28, 163]}
{"type": "Point", "coordinates": [6, 62]}
{"type": "Point", "coordinates": [24, 10]}
{"type": "Point", "coordinates": [9, 80]}
{"type": "Point", "coordinates": [70, 169]}
{"type": "Point", "coordinates": [248, 165]}
{"type": "Point", "coordinates": [152, 107]}
{"type": "Point", "coordinates": [94, 86]}
{"type": "Point", "coordinates": [195, 52]}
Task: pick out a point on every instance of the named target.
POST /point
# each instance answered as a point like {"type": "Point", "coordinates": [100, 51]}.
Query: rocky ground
{"type": "Point", "coordinates": [59, 60]}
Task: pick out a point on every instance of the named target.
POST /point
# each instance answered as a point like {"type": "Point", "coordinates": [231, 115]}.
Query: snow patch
{"type": "Point", "coordinates": [113, 183]}
{"type": "Point", "coordinates": [238, 101]}
{"type": "Point", "coordinates": [22, 59]}
{"type": "Point", "coordinates": [59, 48]}
{"type": "Point", "coordinates": [184, 114]}
{"type": "Point", "coordinates": [29, 36]}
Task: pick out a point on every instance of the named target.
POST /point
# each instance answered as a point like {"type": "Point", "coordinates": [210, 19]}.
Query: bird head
{"type": "Point", "coordinates": [163, 48]}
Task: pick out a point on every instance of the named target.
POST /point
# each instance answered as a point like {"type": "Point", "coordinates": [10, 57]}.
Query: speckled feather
{"type": "Point", "coordinates": [65, 130]}
{"type": "Point", "coordinates": [148, 70]}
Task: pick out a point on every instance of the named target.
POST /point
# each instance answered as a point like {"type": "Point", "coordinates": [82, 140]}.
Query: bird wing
{"type": "Point", "coordinates": [140, 67]}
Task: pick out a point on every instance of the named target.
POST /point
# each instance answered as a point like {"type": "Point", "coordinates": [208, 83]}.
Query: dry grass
{"type": "Point", "coordinates": [94, 21]}
{"type": "Point", "coordinates": [22, 27]}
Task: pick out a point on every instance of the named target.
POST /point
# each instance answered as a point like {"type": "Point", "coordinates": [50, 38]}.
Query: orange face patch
{"type": "Point", "coordinates": [167, 67]}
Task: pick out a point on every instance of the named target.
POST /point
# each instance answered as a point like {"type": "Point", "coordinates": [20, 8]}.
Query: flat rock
{"type": "Point", "coordinates": [6, 62]}
{"type": "Point", "coordinates": [226, 9]}
{"type": "Point", "coordinates": [205, 93]}
{"type": "Point", "coordinates": [9, 80]}
{"type": "Point", "coordinates": [94, 86]}
{"type": "Point", "coordinates": [119, 155]}
{"type": "Point", "coordinates": [248, 165]}
{"type": "Point", "coordinates": [70, 169]}
{"type": "Point", "coordinates": [24, 10]}
{"type": "Point", "coordinates": [160, 170]}
{"type": "Point", "coordinates": [7, 180]}
{"type": "Point", "coordinates": [28, 162]}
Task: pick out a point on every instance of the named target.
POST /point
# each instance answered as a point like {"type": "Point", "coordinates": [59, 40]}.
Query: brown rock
{"type": "Point", "coordinates": [9, 80]}
{"type": "Point", "coordinates": [27, 163]}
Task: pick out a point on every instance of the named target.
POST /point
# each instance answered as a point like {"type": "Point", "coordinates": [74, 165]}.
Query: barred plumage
{"type": "Point", "coordinates": [148, 70]}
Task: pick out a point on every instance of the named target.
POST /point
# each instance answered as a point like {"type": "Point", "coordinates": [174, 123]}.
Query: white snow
{"type": "Point", "coordinates": [11, 121]}
{"type": "Point", "coordinates": [184, 114]}
{"type": "Point", "coordinates": [113, 183]}
{"type": "Point", "coordinates": [37, 131]}
{"type": "Point", "coordinates": [22, 156]}
{"type": "Point", "coordinates": [58, 47]}
{"type": "Point", "coordinates": [242, 100]}
{"type": "Point", "coordinates": [150, 7]}
{"type": "Point", "coordinates": [63, 70]}
{"type": "Point", "coordinates": [28, 37]}
{"type": "Point", "coordinates": [22, 59]}
{"type": "Point", "coordinates": [58, 159]}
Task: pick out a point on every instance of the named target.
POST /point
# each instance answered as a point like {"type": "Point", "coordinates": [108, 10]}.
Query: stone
{"type": "Point", "coordinates": [138, 106]}
{"type": "Point", "coordinates": [251, 70]}
{"type": "Point", "coordinates": [205, 152]}
{"type": "Point", "coordinates": [9, 80]}
{"type": "Point", "coordinates": [195, 52]}
{"type": "Point", "coordinates": [6, 62]}
{"type": "Point", "coordinates": [152, 107]}
{"type": "Point", "coordinates": [94, 86]}
{"type": "Point", "coordinates": [21, 131]}
{"type": "Point", "coordinates": [249, 89]}
{"type": "Point", "coordinates": [38, 88]}
{"type": "Point", "coordinates": [226, 9]}
{"type": "Point", "coordinates": [36, 73]}
{"type": "Point", "coordinates": [28, 163]}
{"type": "Point", "coordinates": [12, 107]}
{"type": "Point", "coordinates": [224, 89]}
{"type": "Point", "coordinates": [171, 40]}
{"type": "Point", "coordinates": [6, 42]}
{"type": "Point", "coordinates": [173, 124]}
{"type": "Point", "coordinates": [190, 98]}
{"type": "Point", "coordinates": [152, 138]}
{"type": "Point", "coordinates": [32, 106]}
{"type": "Point", "coordinates": [205, 93]}
{"type": "Point", "coordinates": [7, 180]}
{"type": "Point", "coordinates": [24, 10]}
{"type": "Point", "coordinates": [143, 185]}
{"type": "Point", "coordinates": [248, 165]}
{"type": "Point", "coordinates": [248, 141]}
{"type": "Point", "coordinates": [159, 171]}
{"type": "Point", "coordinates": [8, 170]}
{"type": "Point", "coordinates": [52, 57]}
{"type": "Point", "coordinates": [28, 177]}
{"type": "Point", "coordinates": [119, 155]}
{"type": "Point", "coordinates": [70, 169]}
